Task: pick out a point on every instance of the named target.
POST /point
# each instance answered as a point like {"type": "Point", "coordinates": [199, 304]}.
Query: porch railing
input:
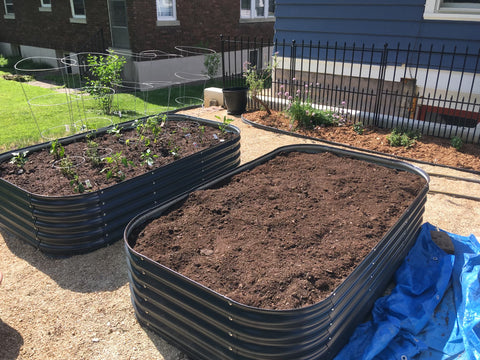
{"type": "Point", "coordinates": [431, 90]}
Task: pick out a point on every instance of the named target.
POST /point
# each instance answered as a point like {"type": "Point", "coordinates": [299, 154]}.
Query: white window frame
{"type": "Point", "coordinates": [8, 13]}
{"type": "Point", "coordinates": [439, 10]}
{"type": "Point", "coordinates": [252, 15]}
{"type": "Point", "coordinates": [45, 7]}
{"type": "Point", "coordinates": [167, 18]}
{"type": "Point", "coordinates": [78, 16]}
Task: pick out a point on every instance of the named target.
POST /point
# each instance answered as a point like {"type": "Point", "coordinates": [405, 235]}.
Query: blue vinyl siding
{"type": "Point", "coordinates": [373, 22]}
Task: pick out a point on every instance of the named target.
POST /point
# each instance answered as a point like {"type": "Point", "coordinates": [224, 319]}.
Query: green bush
{"type": "Point", "coordinates": [457, 143]}
{"type": "Point", "coordinates": [406, 138]}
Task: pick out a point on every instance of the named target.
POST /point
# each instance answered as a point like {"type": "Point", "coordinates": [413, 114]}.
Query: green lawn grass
{"type": "Point", "coordinates": [33, 114]}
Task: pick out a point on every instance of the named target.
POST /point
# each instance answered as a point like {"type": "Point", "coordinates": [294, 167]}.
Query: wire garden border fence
{"type": "Point", "coordinates": [434, 91]}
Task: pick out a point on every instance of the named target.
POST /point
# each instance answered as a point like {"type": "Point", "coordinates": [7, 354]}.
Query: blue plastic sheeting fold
{"type": "Point", "coordinates": [434, 310]}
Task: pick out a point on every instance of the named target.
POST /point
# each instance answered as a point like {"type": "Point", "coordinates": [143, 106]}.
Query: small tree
{"type": "Point", "coordinates": [106, 74]}
{"type": "Point", "coordinates": [212, 64]}
{"type": "Point", "coordinates": [256, 79]}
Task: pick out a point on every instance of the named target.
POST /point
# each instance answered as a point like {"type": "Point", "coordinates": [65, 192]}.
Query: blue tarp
{"type": "Point", "coordinates": [434, 310]}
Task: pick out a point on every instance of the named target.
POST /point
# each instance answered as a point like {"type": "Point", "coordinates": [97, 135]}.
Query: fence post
{"type": "Point", "coordinates": [222, 49]}
{"type": "Point", "coordinates": [381, 80]}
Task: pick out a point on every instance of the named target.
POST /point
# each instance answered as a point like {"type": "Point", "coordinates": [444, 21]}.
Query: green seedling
{"type": "Point", "coordinates": [148, 158]}
{"type": "Point", "coordinates": [225, 122]}
{"type": "Point", "coordinates": [114, 162]}
{"type": "Point", "coordinates": [19, 159]}
{"type": "Point", "coordinates": [57, 150]}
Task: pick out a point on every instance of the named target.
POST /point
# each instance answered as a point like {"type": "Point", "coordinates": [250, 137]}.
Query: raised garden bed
{"type": "Point", "coordinates": [280, 258]}
{"type": "Point", "coordinates": [66, 213]}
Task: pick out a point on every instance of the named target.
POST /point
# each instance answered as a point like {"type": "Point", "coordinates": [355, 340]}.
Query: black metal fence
{"type": "Point", "coordinates": [430, 90]}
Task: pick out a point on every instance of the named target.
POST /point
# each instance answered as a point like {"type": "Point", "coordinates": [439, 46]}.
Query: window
{"type": "Point", "coordinates": [78, 9]}
{"type": "Point", "coordinates": [166, 10]}
{"type": "Point", "coordinates": [46, 3]}
{"type": "Point", "coordinates": [455, 10]}
{"type": "Point", "coordinates": [9, 7]}
{"type": "Point", "coordinates": [257, 9]}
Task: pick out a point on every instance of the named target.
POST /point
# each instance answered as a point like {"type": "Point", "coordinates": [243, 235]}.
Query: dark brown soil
{"type": "Point", "coordinates": [42, 174]}
{"type": "Point", "coordinates": [285, 234]}
{"type": "Point", "coordinates": [431, 149]}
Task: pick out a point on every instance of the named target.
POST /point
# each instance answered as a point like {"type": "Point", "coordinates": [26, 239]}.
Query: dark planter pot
{"type": "Point", "coordinates": [208, 325]}
{"type": "Point", "coordinates": [68, 225]}
{"type": "Point", "coordinates": [235, 100]}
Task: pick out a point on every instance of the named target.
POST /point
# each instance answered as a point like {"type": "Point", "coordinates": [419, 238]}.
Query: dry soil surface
{"type": "Point", "coordinates": [79, 307]}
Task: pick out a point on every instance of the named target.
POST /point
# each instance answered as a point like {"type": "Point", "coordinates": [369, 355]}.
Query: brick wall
{"type": "Point", "coordinates": [52, 29]}
{"type": "Point", "coordinates": [201, 23]}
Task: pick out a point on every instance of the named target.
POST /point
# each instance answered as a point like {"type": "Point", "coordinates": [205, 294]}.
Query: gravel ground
{"type": "Point", "coordinates": [80, 308]}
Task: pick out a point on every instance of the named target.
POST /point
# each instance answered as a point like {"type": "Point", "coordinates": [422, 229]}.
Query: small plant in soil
{"type": "Point", "coordinates": [113, 166]}
{"type": "Point", "coordinates": [19, 159]}
{"type": "Point", "coordinates": [67, 167]}
{"type": "Point", "coordinates": [77, 185]}
{"type": "Point", "coordinates": [57, 150]}
{"type": "Point", "coordinates": [115, 130]}
{"type": "Point", "coordinates": [406, 139]}
{"type": "Point", "coordinates": [457, 143]}
{"type": "Point", "coordinates": [257, 79]}
{"type": "Point", "coordinates": [225, 122]}
{"type": "Point", "coordinates": [359, 128]}
{"type": "Point", "coordinates": [148, 158]}
{"type": "Point", "coordinates": [305, 115]}
{"type": "Point", "coordinates": [92, 153]}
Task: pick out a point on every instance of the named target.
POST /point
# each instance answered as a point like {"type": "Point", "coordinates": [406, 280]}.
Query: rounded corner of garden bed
{"type": "Point", "coordinates": [180, 304]}
{"type": "Point", "coordinates": [79, 222]}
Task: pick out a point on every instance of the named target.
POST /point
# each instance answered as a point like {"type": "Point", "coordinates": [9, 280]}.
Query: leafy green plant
{"type": "Point", "coordinates": [359, 128]}
{"type": "Point", "coordinates": [19, 159]}
{"type": "Point", "coordinates": [57, 150]}
{"type": "Point", "coordinates": [212, 64]}
{"type": "Point", "coordinates": [92, 154]}
{"type": "Point", "coordinates": [225, 122]}
{"type": "Point", "coordinates": [113, 164]}
{"type": "Point", "coordinates": [257, 78]}
{"type": "Point", "coordinates": [301, 111]}
{"type": "Point", "coordinates": [76, 184]}
{"type": "Point", "coordinates": [106, 74]}
{"type": "Point", "coordinates": [115, 130]}
{"type": "Point", "coordinates": [457, 143]}
{"type": "Point", "coordinates": [67, 167]}
{"type": "Point", "coordinates": [3, 61]}
{"type": "Point", "coordinates": [148, 158]}
{"type": "Point", "coordinates": [153, 126]}
{"type": "Point", "coordinates": [406, 139]}
{"type": "Point", "coordinates": [175, 151]}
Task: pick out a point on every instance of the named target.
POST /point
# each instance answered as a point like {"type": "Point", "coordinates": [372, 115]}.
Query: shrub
{"type": "Point", "coordinates": [106, 74]}
{"type": "Point", "coordinates": [406, 139]}
{"type": "Point", "coordinates": [457, 143]}
{"type": "Point", "coordinates": [301, 111]}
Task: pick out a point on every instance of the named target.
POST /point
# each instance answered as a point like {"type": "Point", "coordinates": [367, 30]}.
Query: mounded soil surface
{"type": "Point", "coordinates": [42, 173]}
{"type": "Point", "coordinates": [284, 234]}
{"type": "Point", "coordinates": [429, 149]}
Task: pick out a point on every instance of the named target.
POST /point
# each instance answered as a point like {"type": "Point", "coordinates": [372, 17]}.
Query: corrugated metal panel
{"type": "Point", "coordinates": [207, 325]}
{"type": "Point", "coordinates": [80, 223]}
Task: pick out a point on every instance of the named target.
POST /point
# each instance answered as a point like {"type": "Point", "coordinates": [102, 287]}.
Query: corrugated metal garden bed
{"type": "Point", "coordinates": [78, 223]}
{"type": "Point", "coordinates": [207, 324]}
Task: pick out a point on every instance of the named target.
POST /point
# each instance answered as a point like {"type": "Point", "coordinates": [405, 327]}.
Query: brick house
{"type": "Point", "coordinates": [54, 28]}
{"type": "Point", "coordinates": [135, 25]}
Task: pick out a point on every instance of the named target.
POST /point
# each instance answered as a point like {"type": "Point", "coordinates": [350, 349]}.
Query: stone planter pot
{"type": "Point", "coordinates": [67, 225]}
